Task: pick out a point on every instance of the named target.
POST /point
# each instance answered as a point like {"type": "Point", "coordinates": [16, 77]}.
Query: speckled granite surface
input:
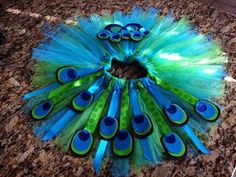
{"type": "Point", "coordinates": [22, 154]}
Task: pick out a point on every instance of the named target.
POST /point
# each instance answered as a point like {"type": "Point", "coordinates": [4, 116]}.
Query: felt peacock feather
{"type": "Point", "coordinates": [88, 111]}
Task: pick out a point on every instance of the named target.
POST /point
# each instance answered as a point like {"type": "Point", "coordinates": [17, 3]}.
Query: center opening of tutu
{"type": "Point", "coordinates": [133, 70]}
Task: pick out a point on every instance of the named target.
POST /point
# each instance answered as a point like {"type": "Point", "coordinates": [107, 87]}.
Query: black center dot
{"type": "Point", "coordinates": [71, 73]}
{"type": "Point", "coordinates": [84, 136]}
{"type": "Point", "coordinates": [86, 95]}
{"type": "Point", "coordinates": [172, 109]}
{"type": "Point", "coordinates": [170, 138]}
{"type": "Point", "coordinates": [109, 121]}
{"type": "Point", "coordinates": [47, 105]}
{"type": "Point", "coordinates": [139, 119]}
{"type": "Point", "coordinates": [122, 135]}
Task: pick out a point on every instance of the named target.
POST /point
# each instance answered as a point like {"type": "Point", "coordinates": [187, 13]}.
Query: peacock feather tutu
{"type": "Point", "coordinates": [132, 122]}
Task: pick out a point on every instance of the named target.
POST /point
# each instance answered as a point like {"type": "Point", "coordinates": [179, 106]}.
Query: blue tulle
{"type": "Point", "coordinates": [184, 70]}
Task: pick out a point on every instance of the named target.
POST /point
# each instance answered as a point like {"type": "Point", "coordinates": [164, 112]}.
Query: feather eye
{"type": "Point", "coordinates": [176, 114]}
{"type": "Point", "coordinates": [115, 37]}
{"type": "Point", "coordinates": [144, 32]}
{"type": "Point", "coordinates": [140, 122]}
{"type": "Point", "coordinates": [66, 74]}
{"type": "Point", "coordinates": [82, 100]}
{"type": "Point", "coordinates": [82, 142]}
{"type": "Point", "coordinates": [207, 110]}
{"type": "Point", "coordinates": [108, 127]}
{"type": "Point", "coordinates": [173, 145]}
{"type": "Point", "coordinates": [123, 144]}
{"type": "Point", "coordinates": [136, 35]}
{"type": "Point", "coordinates": [105, 34]}
{"type": "Point", "coordinates": [142, 126]}
{"type": "Point", "coordinates": [42, 110]}
{"type": "Point", "coordinates": [125, 34]}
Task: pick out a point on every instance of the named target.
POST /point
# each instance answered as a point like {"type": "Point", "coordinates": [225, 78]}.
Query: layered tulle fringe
{"type": "Point", "coordinates": [185, 69]}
